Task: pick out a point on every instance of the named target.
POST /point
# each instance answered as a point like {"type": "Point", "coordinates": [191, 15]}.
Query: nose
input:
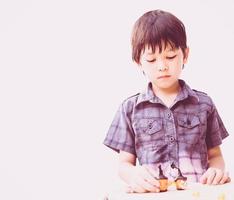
{"type": "Point", "coordinates": [161, 66]}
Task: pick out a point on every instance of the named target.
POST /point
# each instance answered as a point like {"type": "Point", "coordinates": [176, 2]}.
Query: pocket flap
{"type": "Point", "coordinates": [188, 121]}
{"type": "Point", "coordinates": [150, 126]}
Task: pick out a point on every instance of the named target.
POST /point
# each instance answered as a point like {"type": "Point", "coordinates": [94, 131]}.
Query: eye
{"type": "Point", "coordinates": [171, 57]}
{"type": "Point", "coordinates": [151, 61]}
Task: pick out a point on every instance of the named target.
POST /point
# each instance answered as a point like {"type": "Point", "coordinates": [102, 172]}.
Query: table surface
{"type": "Point", "coordinates": [194, 191]}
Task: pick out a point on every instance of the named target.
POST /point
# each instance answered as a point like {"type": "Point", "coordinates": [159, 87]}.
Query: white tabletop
{"type": "Point", "coordinates": [194, 191]}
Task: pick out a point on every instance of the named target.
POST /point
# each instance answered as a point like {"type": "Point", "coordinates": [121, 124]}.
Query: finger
{"type": "Point", "coordinates": [203, 178]}
{"type": "Point", "coordinates": [137, 188]}
{"type": "Point", "coordinates": [129, 189]}
{"type": "Point", "coordinates": [149, 176]}
{"type": "Point", "coordinates": [211, 176]}
{"type": "Point", "coordinates": [229, 180]}
{"type": "Point", "coordinates": [218, 176]}
{"type": "Point", "coordinates": [225, 178]}
{"type": "Point", "coordinates": [148, 186]}
{"type": "Point", "coordinates": [133, 189]}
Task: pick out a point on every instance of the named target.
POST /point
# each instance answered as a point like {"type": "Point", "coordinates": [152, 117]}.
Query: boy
{"type": "Point", "coordinates": [169, 122]}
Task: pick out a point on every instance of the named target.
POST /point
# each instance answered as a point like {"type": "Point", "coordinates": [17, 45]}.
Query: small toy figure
{"type": "Point", "coordinates": [181, 181]}
{"type": "Point", "coordinates": [163, 180]}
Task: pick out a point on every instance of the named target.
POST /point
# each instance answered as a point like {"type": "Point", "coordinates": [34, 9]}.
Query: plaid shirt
{"type": "Point", "coordinates": [158, 135]}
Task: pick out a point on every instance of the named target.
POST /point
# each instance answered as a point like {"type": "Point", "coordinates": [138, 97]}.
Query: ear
{"type": "Point", "coordinates": [186, 53]}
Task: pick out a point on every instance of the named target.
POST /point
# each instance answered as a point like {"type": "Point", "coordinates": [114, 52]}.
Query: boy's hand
{"type": "Point", "coordinates": [214, 176]}
{"type": "Point", "coordinates": [142, 180]}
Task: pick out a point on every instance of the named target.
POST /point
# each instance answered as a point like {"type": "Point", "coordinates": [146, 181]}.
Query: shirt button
{"type": "Point", "coordinates": [169, 115]}
{"type": "Point", "coordinates": [171, 139]}
{"type": "Point", "coordinates": [150, 126]}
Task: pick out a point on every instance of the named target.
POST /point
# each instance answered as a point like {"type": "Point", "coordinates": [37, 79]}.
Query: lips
{"type": "Point", "coordinates": [165, 76]}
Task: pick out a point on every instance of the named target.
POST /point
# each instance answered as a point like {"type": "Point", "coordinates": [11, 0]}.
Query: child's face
{"type": "Point", "coordinates": [163, 69]}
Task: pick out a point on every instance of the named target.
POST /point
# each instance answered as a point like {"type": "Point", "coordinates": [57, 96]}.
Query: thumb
{"type": "Point", "coordinates": [203, 178]}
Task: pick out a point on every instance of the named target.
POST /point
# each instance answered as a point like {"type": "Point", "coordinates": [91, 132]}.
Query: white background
{"type": "Point", "coordinates": [65, 66]}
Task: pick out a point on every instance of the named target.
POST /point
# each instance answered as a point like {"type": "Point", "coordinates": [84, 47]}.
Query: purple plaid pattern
{"type": "Point", "coordinates": [156, 134]}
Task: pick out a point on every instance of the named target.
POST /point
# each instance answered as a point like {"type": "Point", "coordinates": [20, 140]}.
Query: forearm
{"type": "Point", "coordinates": [215, 158]}
{"type": "Point", "coordinates": [217, 162]}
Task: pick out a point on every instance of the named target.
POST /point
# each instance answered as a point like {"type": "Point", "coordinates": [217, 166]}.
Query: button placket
{"type": "Point", "coordinates": [169, 115]}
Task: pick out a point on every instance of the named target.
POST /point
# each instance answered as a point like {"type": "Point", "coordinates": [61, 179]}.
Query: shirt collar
{"type": "Point", "coordinates": [185, 92]}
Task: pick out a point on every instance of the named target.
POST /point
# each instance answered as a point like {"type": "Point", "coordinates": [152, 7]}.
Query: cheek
{"type": "Point", "coordinates": [177, 65]}
{"type": "Point", "coordinates": [152, 71]}
{"type": "Point", "coordinates": [177, 71]}
{"type": "Point", "coordinates": [176, 68]}
{"type": "Point", "coordinates": [178, 62]}
{"type": "Point", "coordinates": [147, 68]}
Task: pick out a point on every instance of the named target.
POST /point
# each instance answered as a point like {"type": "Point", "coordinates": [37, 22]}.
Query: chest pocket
{"type": "Point", "coordinates": [188, 129]}
{"type": "Point", "coordinates": [149, 130]}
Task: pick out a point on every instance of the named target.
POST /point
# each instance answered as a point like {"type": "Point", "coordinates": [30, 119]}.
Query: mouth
{"type": "Point", "coordinates": [165, 76]}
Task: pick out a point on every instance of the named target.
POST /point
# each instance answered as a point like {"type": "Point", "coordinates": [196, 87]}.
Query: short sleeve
{"type": "Point", "coordinates": [216, 131]}
{"type": "Point", "coordinates": [120, 135]}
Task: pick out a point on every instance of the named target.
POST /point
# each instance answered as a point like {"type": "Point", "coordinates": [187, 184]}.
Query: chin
{"type": "Point", "coordinates": [165, 86]}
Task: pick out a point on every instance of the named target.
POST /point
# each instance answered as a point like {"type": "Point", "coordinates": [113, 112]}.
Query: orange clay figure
{"type": "Point", "coordinates": [163, 180]}
{"type": "Point", "coordinates": [180, 180]}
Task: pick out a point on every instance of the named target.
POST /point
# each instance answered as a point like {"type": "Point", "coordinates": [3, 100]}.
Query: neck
{"type": "Point", "coordinates": [167, 95]}
{"type": "Point", "coordinates": [174, 90]}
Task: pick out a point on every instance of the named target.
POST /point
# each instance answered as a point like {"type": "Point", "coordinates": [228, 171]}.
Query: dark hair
{"type": "Point", "coordinates": [157, 28]}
